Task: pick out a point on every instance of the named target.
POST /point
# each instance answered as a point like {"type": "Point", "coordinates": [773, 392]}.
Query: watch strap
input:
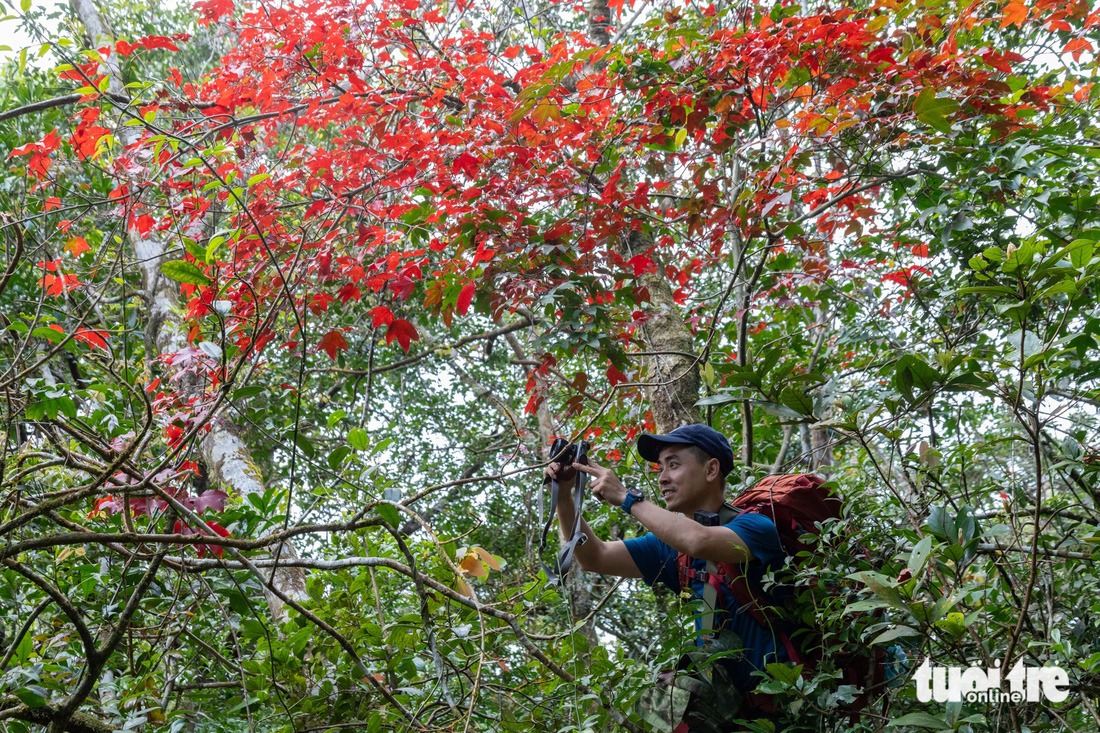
{"type": "Point", "coordinates": [632, 497]}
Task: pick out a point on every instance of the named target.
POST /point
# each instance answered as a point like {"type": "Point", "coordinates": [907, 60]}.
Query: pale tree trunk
{"type": "Point", "coordinates": [599, 22]}
{"type": "Point", "coordinates": [226, 456]}
{"type": "Point", "coordinates": [670, 364]}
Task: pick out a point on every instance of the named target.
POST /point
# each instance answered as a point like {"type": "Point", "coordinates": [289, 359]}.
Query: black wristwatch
{"type": "Point", "coordinates": [632, 495]}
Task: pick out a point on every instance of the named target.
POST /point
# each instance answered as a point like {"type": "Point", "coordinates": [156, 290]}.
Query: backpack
{"type": "Point", "coordinates": [796, 503]}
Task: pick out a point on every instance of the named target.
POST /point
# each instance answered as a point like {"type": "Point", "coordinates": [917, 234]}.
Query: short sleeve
{"type": "Point", "coordinates": [760, 536]}
{"type": "Point", "coordinates": [655, 560]}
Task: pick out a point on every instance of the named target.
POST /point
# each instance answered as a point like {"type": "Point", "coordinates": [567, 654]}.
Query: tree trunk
{"type": "Point", "coordinates": [224, 453]}
{"type": "Point", "coordinates": [670, 364]}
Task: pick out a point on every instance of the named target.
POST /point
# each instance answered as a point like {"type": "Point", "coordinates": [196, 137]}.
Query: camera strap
{"type": "Point", "coordinates": [564, 559]}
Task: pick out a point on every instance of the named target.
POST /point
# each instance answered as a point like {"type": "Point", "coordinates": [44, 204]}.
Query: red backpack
{"type": "Point", "coordinates": [796, 503]}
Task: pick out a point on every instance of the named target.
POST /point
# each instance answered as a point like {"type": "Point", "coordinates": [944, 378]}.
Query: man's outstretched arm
{"type": "Point", "coordinates": [683, 534]}
{"type": "Point", "coordinates": [594, 555]}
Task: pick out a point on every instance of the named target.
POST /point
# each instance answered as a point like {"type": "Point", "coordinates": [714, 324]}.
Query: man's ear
{"type": "Point", "coordinates": [714, 470]}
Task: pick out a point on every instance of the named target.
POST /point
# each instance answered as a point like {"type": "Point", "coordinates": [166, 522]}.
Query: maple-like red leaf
{"type": "Point", "coordinates": [404, 332]}
{"type": "Point", "coordinates": [332, 342]}
{"type": "Point", "coordinates": [153, 42]}
{"type": "Point", "coordinates": [464, 299]}
{"type": "Point", "coordinates": [77, 246]}
{"type": "Point", "coordinates": [614, 376]}
{"type": "Point", "coordinates": [1015, 12]}
{"type": "Point", "coordinates": [95, 338]}
{"type": "Point", "coordinates": [467, 164]}
{"type": "Point", "coordinates": [383, 316]}
{"type": "Point", "coordinates": [211, 10]}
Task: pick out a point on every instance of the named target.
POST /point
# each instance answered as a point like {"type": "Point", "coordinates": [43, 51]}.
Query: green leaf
{"type": "Point", "coordinates": [337, 456]}
{"type": "Point", "coordinates": [919, 556]}
{"type": "Point", "coordinates": [911, 371]}
{"type": "Point", "coordinates": [1079, 251]}
{"type": "Point", "coordinates": [895, 633]}
{"type": "Point", "coordinates": [883, 587]}
{"type": "Point", "coordinates": [864, 606]}
{"type": "Point", "coordinates": [718, 399]}
{"type": "Point", "coordinates": [250, 391]}
{"type": "Point", "coordinates": [390, 513]}
{"type": "Point", "coordinates": [50, 334]}
{"type": "Point", "coordinates": [966, 524]}
{"type": "Point", "coordinates": [780, 411]}
{"type": "Point", "coordinates": [797, 400]}
{"type": "Point", "coordinates": [358, 438]}
{"type": "Point", "coordinates": [785, 673]}
{"type": "Point", "coordinates": [25, 5]}
{"type": "Point", "coordinates": [32, 696]}
{"type": "Point", "coordinates": [303, 443]}
{"type": "Point", "coordinates": [933, 110]}
{"type": "Point", "coordinates": [942, 525]}
{"type": "Point", "coordinates": [954, 623]}
{"type": "Point", "coordinates": [1021, 256]}
{"type": "Point", "coordinates": [185, 272]}
{"type": "Point", "coordinates": [919, 720]}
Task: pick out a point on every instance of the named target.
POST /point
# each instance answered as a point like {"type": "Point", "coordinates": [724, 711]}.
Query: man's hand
{"type": "Point", "coordinates": [564, 475]}
{"type": "Point", "coordinates": [605, 485]}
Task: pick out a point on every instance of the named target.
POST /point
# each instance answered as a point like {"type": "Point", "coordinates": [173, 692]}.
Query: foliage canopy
{"type": "Point", "coordinates": [295, 295]}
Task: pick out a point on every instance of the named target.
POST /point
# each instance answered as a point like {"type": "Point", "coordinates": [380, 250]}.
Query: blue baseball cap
{"type": "Point", "coordinates": [710, 440]}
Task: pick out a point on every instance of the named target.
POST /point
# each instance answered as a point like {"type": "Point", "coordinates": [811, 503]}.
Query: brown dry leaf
{"type": "Point", "coordinates": [487, 557]}
{"type": "Point", "coordinates": [472, 564]}
{"type": "Point", "coordinates": [464, 588]}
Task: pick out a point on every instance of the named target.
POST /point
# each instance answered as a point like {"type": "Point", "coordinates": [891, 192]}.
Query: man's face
{"type": "Point", "coordinates": [683, 479]}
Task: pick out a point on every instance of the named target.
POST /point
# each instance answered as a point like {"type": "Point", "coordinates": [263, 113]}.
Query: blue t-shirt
{"type": "Point", "coordinates": [658, 563]}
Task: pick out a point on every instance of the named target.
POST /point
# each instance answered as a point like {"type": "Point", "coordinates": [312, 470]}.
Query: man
{"type": "Point", "coordinates": [693, 461]}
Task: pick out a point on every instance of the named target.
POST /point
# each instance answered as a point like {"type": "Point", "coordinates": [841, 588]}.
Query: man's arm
{"type": "Point", "coordinates": [720, 544]}
{"type": "Point", "coordinates": [594, 555]}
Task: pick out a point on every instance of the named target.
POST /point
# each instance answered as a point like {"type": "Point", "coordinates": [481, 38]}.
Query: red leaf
{"type": "Point", "coordinates": [464, 299]}
{"type": "Point", "coordinates": [404, 332]}
{"type": "Point", "coordinates": [468, 164]}
{"type": "Point", "coordinates": [383, 316]}
{"type": "Point", "coordinates": [615, 376]}
{"type": "Point", "coordinates": [641, 264]}
{"type": "Point", "coordinates": [211, 10]}
{"type": "Point", "coordinates": [332, 342]}
{"type": "Point", "coordinates": [1076, 47]}
{"type": "Point", "coordinates": [77, 246]}
{"type": "Point", "coordinates": [318, 304]}
{"type": "Point", "coordinates": [151, 42]}
{"type": "Point", "coordinates": [348, 292]}
{"type": "Point", "coordinates": [93, 337]}
{"type": "Point", "coordinates": [1015, 12]}
{"type": "Point", "coordinates": [106, 505]}
{"type": "Point", "coordinates": [210, 499]}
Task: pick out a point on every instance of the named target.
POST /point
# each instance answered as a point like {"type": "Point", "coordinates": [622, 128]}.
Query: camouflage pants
{"type": "Point", "coordinates": [698, 694]}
